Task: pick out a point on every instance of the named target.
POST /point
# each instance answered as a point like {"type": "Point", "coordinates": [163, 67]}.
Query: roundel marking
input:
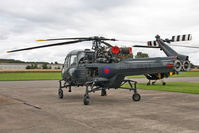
{"type": "Point", "coordinates": [106, 70]}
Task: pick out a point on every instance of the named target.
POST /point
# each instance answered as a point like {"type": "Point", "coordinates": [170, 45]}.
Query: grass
{"type": "Point", "coordinates": [57, 75]}
{"type": "Point", "coordinates": [30, 76]}
{"type": "Point", "coordinates": [182, 74]}
{"type": "Point", "coordinates": [183, 87]}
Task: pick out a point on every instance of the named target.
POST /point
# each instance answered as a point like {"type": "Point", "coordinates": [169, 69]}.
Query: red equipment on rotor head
{"type": "Point", "coordinates": [130, 50]}
{"type": "Point", "coordinates": [115, 50]}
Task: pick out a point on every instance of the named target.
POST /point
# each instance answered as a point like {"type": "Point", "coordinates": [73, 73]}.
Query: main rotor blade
{"type": "Point", "coordinates": [49, 45]}
{"type": "Point", "coordinates": [81, 38]}
{"type": "Point", "coordinates": [55, 39]}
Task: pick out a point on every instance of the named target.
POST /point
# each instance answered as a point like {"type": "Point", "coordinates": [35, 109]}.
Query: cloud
{"type": "Point", "coordinates": [24, 21]}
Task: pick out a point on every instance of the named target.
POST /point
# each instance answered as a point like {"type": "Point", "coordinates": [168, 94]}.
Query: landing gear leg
{"type": "Point", "coordinates": [86, 98]}
{"type": "Point", "coordinates": [163, 83]}
{"type": "Point", "coordinates": [103, 92]}
{"type": "Point", "coordinates": [153, 83]}
{"type": "Point", "coordinates": [136, 96]}
{"type": "Point", "coordinates": [148, 83]}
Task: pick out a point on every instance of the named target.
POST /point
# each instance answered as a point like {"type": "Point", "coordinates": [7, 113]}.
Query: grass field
{"type": "Point", "coordinates": [182, 87]}
{"type": "Point", "coordinates": [171, 86]}
{"type": "Point", "coordinates": [57, 75]}
{"type": "Point", "coordinates": [30, 76]}
{"type": "Point", "coordinates": [182, 74]}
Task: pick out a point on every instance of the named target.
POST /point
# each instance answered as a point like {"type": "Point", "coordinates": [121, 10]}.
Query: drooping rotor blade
{"type": "Point", "coordinates": [184, 46]}
{"type": "Point", "coordinates": [49, 45]}
{"type": "Point", "coordinates": [132, 41]}
{"type": "Point", "coordinates": [140, 46]}
{"type": "Point", "coordinates": [107, 44]}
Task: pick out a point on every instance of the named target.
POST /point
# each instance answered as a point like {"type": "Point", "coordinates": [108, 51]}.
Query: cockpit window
{"type": "Point", "coordinates": [73, 60]}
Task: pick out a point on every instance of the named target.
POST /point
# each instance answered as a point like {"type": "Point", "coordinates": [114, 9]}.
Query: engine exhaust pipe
{"type": "Point", "coordinates": [178, 65]}
{"type": "Point", "coordinates": [186, 65]}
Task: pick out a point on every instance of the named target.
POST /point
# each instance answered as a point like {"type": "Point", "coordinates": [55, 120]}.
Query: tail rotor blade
{"type": "Point", "coordinates": [186, 37]}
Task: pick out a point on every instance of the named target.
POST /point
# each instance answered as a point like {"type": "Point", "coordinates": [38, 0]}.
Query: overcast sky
{"type": "Point", "coordinates": [24, 21]}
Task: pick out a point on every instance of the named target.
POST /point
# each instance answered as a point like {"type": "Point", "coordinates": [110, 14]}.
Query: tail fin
{"type": "Point", "coordinates": [168, 50]}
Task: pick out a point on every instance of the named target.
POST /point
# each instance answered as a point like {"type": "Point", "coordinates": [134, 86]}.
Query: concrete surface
{"type": "Point", "coordinates": [33, 107]}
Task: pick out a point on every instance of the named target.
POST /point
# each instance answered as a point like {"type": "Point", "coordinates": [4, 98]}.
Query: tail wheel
{"type": "Point", "coordinates": [136, 97]}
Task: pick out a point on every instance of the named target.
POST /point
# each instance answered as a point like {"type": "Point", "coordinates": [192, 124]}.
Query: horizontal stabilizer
{"type": "Point", "coordinates": [178, 38]}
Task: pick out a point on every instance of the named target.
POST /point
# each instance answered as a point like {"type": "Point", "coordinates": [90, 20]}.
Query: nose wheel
{"type": "Point", "coordinates": [103, 92]}
{"type": "Point", "coordinates": [136, 97]}
{"type": "Point", "coordinates": [86, 99]}
{"type": "Point", "coordinates": [60, 93]}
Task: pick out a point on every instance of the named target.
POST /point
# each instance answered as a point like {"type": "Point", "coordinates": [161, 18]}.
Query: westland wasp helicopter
{"type": "Point", "coordinates": [105, 66]}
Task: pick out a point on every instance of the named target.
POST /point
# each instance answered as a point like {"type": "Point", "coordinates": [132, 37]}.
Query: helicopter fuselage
{"type": "Point", "coordinates": [110, 75]}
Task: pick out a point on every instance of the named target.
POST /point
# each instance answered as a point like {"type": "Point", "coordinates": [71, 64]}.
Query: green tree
{"type": "Point", "coordinates": [141, 55]}
{"type": "Point", "coordinates": [130, 56]}
{"type": "Point", "coordinates": [44, 66]}
{"type": "Point", "coordinates": [35, 66]}
{"type": "Point", "coordinates": [192, 65]}
{"type": "Point", "coordinates": [28, 67]}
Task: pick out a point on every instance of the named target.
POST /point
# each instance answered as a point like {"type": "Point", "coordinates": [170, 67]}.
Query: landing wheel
{"type": "Point", "coordinates": [136, 97]}
{"type": "Point", "coordinates": [60, 93]}
{"type": "Point", "coordinates": [103, 92]}
{"type": "Point", "coordinates": [153, 83]}
{"type": "Point", "coordinates": [164, 83]}
{"type": "Point", "coordinates": [86, 99]}
{"type": "Point", "coordinates": [69, 89]}
{"type": "Point", "coordinates": [148, 84]}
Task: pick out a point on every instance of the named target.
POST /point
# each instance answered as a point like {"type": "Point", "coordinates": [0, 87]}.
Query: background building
{"type": "Point", "coordinates": [22, 66]}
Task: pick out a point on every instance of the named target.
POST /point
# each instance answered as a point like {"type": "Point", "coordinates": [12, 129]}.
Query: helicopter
{"type": "Point", "coordinates": [159, 76]}
{"type": "Point", "coordinates": [105, 66]}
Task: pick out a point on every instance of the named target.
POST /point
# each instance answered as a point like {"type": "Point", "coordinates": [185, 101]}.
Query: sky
{"type": "Point", "coordinates": [24, 21]}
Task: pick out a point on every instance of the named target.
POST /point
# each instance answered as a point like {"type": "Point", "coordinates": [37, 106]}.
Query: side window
{"type": "Point", "coordinates": [66, 62]}
{"type": "Point", "coordinates": [73, 60]}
